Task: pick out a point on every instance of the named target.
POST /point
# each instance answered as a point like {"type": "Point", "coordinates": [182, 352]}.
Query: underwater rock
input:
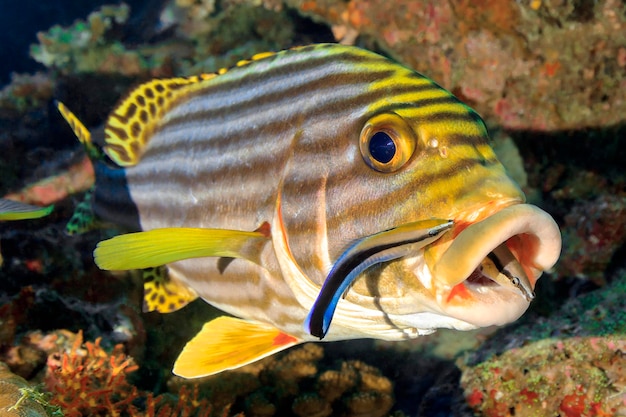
{"type": "Point", "coordinates": [570, 363]}
{"type": "Point", "coordinates": [504, 58]}
{"type": "Point", "coordinates": [594, 231]}
{"type": "Point", "coordinates": [79, 177]}
{"type": "Point", "coordinates": [599, 313]}
{"type": "Point", "coordinates": [17, 397]}
{"type": "Point", "coordinates": [569, 377]}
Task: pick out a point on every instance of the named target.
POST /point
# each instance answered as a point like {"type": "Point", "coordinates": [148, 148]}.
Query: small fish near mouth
{"type": "Point", "coordinates": [501, 268]}
{"type": "Point", "coordinates": [361, 255]}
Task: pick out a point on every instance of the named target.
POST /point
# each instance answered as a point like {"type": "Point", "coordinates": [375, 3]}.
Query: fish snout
{"type": "Point", "coordinates": [487, 273]}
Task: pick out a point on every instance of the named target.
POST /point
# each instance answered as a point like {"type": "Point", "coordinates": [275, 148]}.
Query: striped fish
{"type": "Point", "coordinates": [319, 192]}
{"type": "Point", "coordinates": [15, 210]}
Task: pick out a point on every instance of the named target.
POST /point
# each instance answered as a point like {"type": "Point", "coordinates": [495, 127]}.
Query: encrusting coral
{"type": "Point", "coordinates": [572, 378]}
{"type": "Point", "coordinates": [571, 364]}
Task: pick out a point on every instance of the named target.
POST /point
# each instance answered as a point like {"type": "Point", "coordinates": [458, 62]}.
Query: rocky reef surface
{"type": "Point", "coordinates": [549, 76]}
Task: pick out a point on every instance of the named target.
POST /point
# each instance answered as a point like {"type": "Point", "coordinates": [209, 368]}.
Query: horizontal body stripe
{"type": "Point", "coordinates": [440, 189]}
{"type": "Point", "coordinates": [231, 132]}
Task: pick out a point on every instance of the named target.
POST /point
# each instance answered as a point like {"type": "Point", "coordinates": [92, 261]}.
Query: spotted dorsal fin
{"type": "Point", "coordinates": [130, 125]}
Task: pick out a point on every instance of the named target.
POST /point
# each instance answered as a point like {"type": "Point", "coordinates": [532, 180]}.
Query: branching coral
{"type": "Point", "coordinates": [26, 92]}
{"type": "Point", "coordinates": [188, 405]}
{"type": "Point", "coordinates": [87, 380]}
{"type": "Point", "coordinates": [79, 46]}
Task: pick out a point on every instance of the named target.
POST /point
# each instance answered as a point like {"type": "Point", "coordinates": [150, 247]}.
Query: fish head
{"type": "Point", "coordinates": [483, 271]}
{"type": "Point", "coordinates": [393, 168]}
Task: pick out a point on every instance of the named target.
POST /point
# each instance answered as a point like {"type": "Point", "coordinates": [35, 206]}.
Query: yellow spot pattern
{"type": "Point", "coordinates": [131, 124]}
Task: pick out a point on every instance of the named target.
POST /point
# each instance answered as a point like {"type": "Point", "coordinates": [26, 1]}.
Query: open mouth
{"type": "Point", "coordinates": [499, 259]}
{"type": "Point", "coordinates": [500, 269]}
{"type": "Point", "coordinates": [483, 273]}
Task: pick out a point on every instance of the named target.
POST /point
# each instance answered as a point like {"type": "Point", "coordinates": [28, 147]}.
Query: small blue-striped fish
{"type": "Point", "coordinates": [319, 192]}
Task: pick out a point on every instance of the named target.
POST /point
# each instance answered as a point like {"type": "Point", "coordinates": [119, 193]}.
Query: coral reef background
{"type": "Point", "coordinates": [548, 76]}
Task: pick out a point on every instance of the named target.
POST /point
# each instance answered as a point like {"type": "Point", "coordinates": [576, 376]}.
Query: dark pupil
{"type": "Point", "coordinates": [382, 147]}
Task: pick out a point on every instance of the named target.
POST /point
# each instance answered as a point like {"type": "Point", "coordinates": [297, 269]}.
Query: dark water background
{"type": "Point", "coordinates": [20, 20]}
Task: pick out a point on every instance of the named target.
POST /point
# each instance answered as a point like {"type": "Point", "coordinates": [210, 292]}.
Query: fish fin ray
{"type": "Point", "coordinates": [158, 247]}
{"type": "Point", "coordinates": [81, 132]}
{"type": "Point", "coordinates": [228, 343]}
{"type": "Point", "coordinates": [162, 294]}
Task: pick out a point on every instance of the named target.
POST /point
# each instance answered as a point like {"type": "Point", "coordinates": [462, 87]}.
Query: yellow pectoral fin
{"type": "Point", "coordinates": [14, 210]}
{"type": "Point", "coordinates": [161, 246]}
{"type": "Point", "coordinates": [228, 343]}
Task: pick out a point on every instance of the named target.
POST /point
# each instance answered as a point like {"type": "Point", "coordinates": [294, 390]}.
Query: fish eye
{"type": "Point", "coordinates": [381, 147]}
{"type": "Point", "coordinates": [387, 142]}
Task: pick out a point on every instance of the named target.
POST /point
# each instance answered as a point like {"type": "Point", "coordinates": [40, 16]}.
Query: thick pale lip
{"type": "Point", "coordinates": [529, 233]}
